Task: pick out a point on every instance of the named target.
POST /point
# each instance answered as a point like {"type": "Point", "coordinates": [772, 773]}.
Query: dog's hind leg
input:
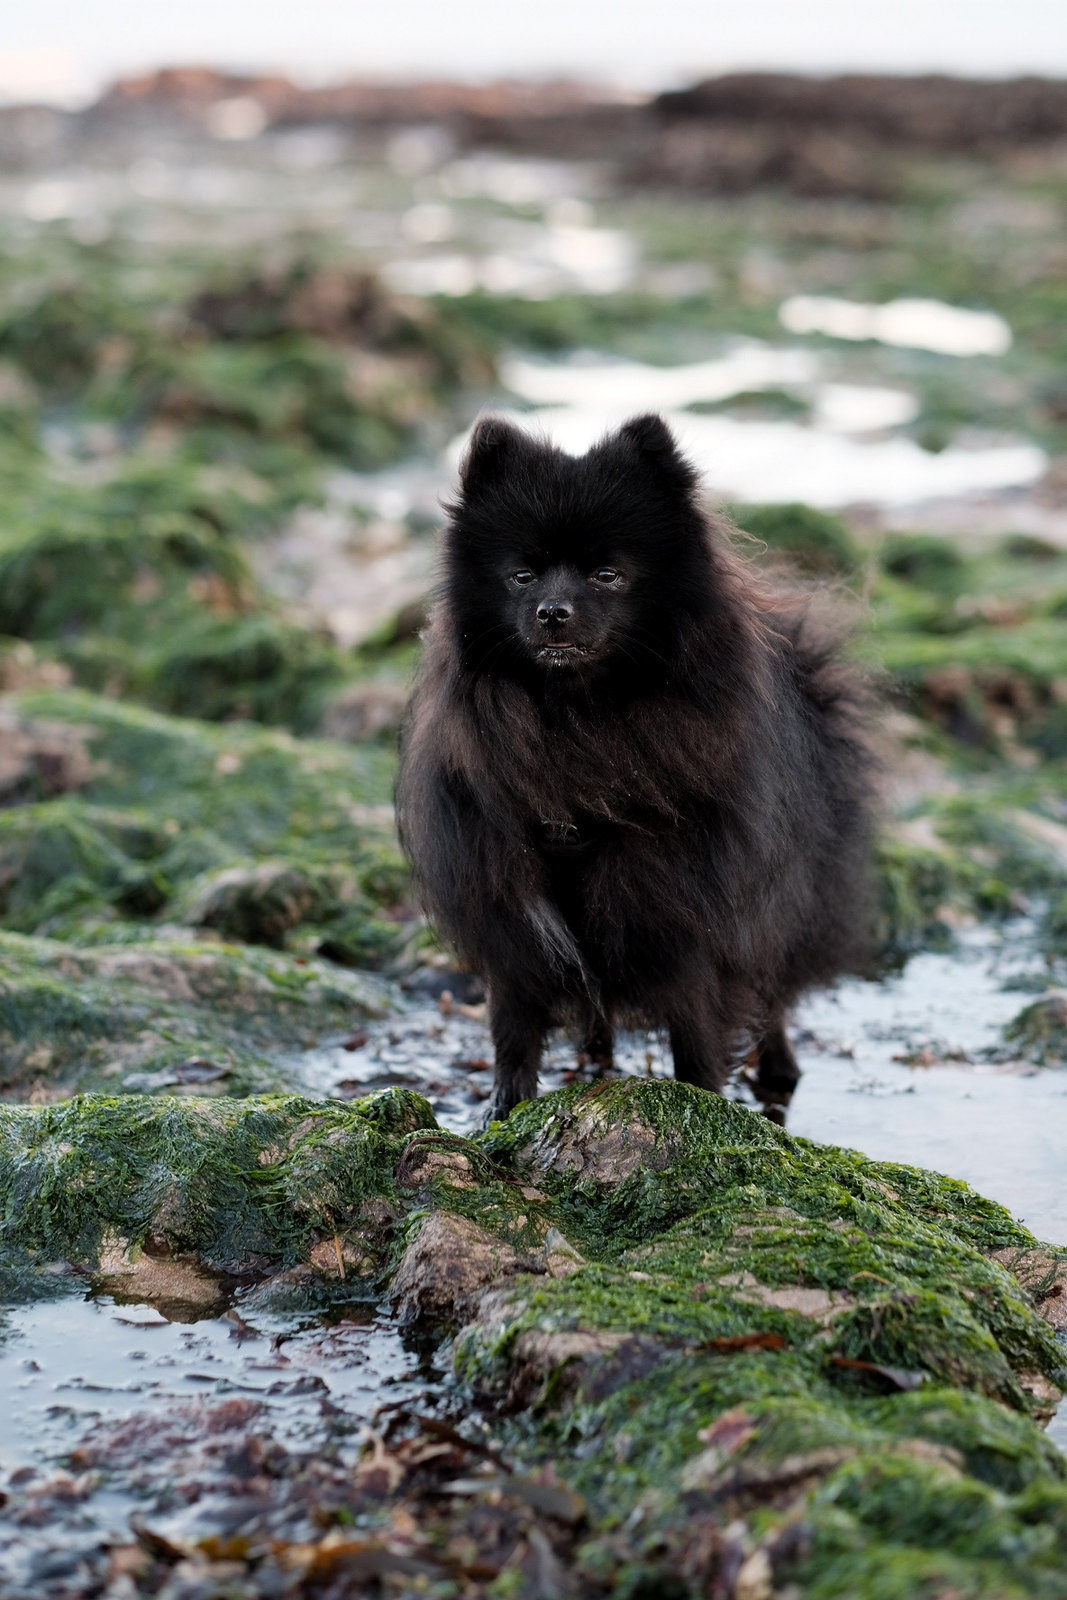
{"type": "Point", "coordinates": [699, 1047]}
{"type": "Point", "coordinates": [777, 1072]}
{"type": "Point", "coordinates": [596, 1046]}
{"type": "Point", "coordinates": [518, 1027]}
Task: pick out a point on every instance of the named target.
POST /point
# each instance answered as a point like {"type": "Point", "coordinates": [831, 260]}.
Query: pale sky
{"type": "Point", "coordinates": [67, 49]}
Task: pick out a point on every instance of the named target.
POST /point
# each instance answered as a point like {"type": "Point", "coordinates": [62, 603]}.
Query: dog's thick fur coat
{"type": "Point", "coordinates": [634, 784]}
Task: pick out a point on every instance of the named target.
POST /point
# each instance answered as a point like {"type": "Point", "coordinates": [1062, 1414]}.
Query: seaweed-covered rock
{"type": "Point", "coordinates": [447, 1267]}
{"type": "Point", "coordinates": [924, 560]}
{"type": "Point", "coordinates": [164, 806]}
{"type": "Point", "coordinates": [747, 1353]}
{"type": "Point", "coordinates": [365, 711]}
{"type": "Point", "coordinates": [815, 540]}
{"type": "Point", "coordinates": [39, 758]}
{"type": "Point", "coordinates": [767, 1334]}
{"type": "Point", "coordinates": [230, 1182]}
{"type": "Point", "coordinates": [76, 1018]}
{"type": "Point", "coordinates": [1040, 1029]}
{"type": "Point", "coordinates": [237, 834]}
{"type": "Point", "coordinates": [259, 904]}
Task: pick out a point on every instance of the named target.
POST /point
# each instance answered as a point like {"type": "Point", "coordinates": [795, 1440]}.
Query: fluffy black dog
{"type": "Point", "coordinates": [633, 784]}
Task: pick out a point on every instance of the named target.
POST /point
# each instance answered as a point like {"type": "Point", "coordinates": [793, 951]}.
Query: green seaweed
{"type": "Point", "coordinates": [705, 1250]}
{"type": "Point", "coordinates": [817, 542]}
{"type": "Point", "coordinates": [231, 1180]}
{"type": "Point", "coordinates": [78, 1018]}
{"type": "Point", "coordinates": [756, 1332]}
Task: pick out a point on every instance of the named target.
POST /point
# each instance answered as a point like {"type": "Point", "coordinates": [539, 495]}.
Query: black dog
{"type": "Point", "coordinates": [633, 785]}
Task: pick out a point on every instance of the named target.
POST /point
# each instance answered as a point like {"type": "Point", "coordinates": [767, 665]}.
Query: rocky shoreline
{"type": "Point", "coordinates": [711, 1356]}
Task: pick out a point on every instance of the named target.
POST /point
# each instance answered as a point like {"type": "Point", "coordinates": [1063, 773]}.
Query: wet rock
{"type": "Point", "coordinates": [365, 711]}
{"type": "Point", "coordinates": [561, 1258]}
{"type": "Point", "coordinates": [1040, 1029]}
{"type": "Point", "coordinates": [40, 758]}
{"type": "Point", "coordinates": [425, 1163]}
{"type": "Point", "coordinates": [197, 1070]}
{"type": "Point", "coordinates": [434, 982]}
{"type": "Point", "coordinates": [447, 1265]}
{"type": "Point", "coordinates": [258, 905]}
{"type": "Point", "coordinates": [179, 1286]}
{"type": "Point", "coordinates": [817, 1304]}
{"type": "Point", "coordinates": [592, 1364]}
{"type": "Point", "coordinates": [77, 1018]}
{"type": "Point", "coordinates": [1043, 1274]}
{"type": "Point", "coordinates": [601, 1138]}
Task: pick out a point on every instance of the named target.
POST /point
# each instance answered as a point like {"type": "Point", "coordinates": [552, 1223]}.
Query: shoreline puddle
{"type": "Point", "coordinates": [910, 1067]}
{"type": "Point", "coordinates": [119, 1416]}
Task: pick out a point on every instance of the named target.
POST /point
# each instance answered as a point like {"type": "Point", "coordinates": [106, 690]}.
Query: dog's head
{"type": "Point", "coordinates": [564, 564]}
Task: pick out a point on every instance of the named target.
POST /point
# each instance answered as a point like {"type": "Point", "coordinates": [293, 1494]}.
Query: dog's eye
{"type": "Point", "coordinates": [524, 575]}
{"type": "Point", "coordinates": [605, 575]}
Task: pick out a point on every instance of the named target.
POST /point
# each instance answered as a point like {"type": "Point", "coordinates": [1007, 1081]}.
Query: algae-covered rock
{"type": "Point", "coordinates": [238, 834]}
{"type": "Point", "coordinates": [85, 1018]}
{"type": "Point", "coordinates": [231, 1183]}
{"type": "Point", "coordinates": [365, 711]}
{"type": "Point", "coordinates": [924, 560]}
{"type": "Point", "coordinates": [766, 1335]}
{"type": "Point", "coordinates": [303, 828]}
{"type": "Point", "coordinates": [1040, 1029]}
{"type": "Point", "coordinates": [816, 541]}
{"type": "Point", "coordinates": [259, 904]}
{"type": "Point", "coordinates": [966, 859]}
{"type": "Point", "coordinates": [39, 758]}
{"type": "Point", "coordinates": [717, 1348]}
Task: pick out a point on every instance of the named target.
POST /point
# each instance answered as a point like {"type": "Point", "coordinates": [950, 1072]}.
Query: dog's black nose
{"type": "Point", "coordinates": [554, 611]}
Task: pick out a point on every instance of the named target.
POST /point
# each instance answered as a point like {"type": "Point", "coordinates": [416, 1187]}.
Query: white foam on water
{"type": "Point", "coordinates": [913, 323]}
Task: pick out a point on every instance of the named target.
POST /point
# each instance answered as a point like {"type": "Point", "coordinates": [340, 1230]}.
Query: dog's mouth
{"type": "Point", "coordinates": [558, 651]}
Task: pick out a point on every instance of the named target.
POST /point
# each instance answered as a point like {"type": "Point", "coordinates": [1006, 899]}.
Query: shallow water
{"type": "Point", "coordinates": [116, 1411]}
{"type": "Point", "coordinates": [915, 324]}
{"type": "Point", "coordinates": [997, 1123]}
{"type": "Point", "coordinates": [847, 453]}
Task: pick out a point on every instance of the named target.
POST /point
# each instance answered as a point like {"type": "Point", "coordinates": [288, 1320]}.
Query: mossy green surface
{"type": "Point", "coordinates": [754, 1340]}
{"type": "Point", "coordinates": [168, 800]}
{"type": "Point", "coordinates": [239, 1183]}
{"type": "Point", "coordinates": [844, 1312]}
{"type": "Point", "coordinates": [74, 1018]}
{"type": "Point", "coordinates": [817, 542]}
{"type": "Point", "coordinates": [117, 899]}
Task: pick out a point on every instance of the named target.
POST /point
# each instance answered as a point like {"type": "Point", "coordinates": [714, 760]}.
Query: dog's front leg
{"type": "Point", "coordinates": [699, 1045]}
{"type": "Point", "coordinates": [777, 1074]}
{"type": "Point", "coordinates": [596, 1047]}
{"type": "Point", "coordinates": [518, 1026]}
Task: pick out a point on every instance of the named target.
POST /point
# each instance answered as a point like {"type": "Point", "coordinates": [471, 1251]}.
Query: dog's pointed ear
{"type": "Point", "coordinates": [494, 445]}
{"type": "Point", "coordinates": [651, 440]}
